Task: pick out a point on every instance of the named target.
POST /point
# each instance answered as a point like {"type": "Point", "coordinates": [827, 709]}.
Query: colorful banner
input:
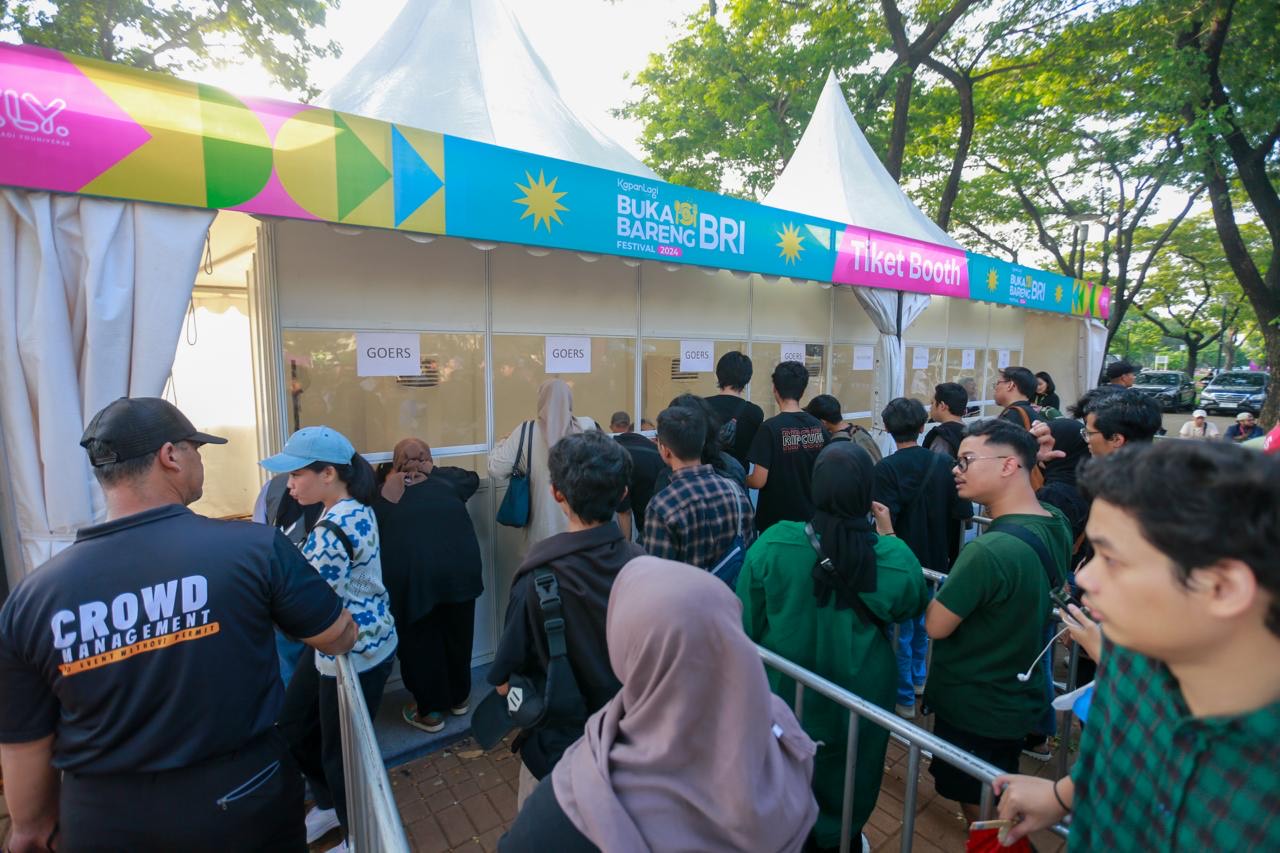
{"type": "Point", "coordinates": [75, 125]}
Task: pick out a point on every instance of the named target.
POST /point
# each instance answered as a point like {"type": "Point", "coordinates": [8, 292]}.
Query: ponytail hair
{"type": "Point", "coordinates": [357, 476]}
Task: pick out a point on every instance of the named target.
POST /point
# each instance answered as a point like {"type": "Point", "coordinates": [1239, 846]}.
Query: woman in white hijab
{"type": "Point", "coordinates": [693, 753]}
{"type": "Point", "coordinates": [555, 420]}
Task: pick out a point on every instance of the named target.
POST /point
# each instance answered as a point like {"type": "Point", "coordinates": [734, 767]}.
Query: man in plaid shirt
{"type": "Point", "coordinates": [700, 516]}
{"type": "Point", "coordinates": [1183, 736]}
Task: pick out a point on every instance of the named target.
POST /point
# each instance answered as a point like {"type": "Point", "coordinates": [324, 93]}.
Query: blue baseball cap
{"type": "Point", "coordinates": [308, 445]}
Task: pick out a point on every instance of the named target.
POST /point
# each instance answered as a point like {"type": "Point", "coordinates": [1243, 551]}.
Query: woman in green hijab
{"type": "Point", "coordinates": [830, 616]}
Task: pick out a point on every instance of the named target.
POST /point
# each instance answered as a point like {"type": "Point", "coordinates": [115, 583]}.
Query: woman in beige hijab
{"type": "Point", "coordinates": [693, 753]}
{"type": "Point", "coordinates": [555, 420]}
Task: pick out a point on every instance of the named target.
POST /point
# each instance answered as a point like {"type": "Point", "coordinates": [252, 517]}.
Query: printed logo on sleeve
{"type": "Point", "coordinates": [100, 633]}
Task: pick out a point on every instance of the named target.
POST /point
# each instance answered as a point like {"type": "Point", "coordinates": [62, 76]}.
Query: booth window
{"type": "Point", "coordinates": [519, 367]}
{"type": "Point", "coordinates": [851, 387]}
{"type": "Point", "coordinates": [663, 380]}
{"type": "Point", "coordinates": [993, 373]}
{"type": "Point", "coordinates": [765, 356]}
{"type": "Point", "coordinates": [443, 404]}
{"type": "Point", "coordinates": [925, 370]}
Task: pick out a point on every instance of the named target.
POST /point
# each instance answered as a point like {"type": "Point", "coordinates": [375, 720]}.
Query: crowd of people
{"type": "Point", "coordinates": [169, 681]}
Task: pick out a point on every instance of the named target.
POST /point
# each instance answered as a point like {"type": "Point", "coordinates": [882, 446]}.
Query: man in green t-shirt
{"type": "Point", "coordinates": [989, 617]}
{"type": "Point", "coordinates": [1183, 736]}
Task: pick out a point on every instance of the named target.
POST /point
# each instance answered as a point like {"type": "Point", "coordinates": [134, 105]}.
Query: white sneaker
{"type": "Point", "coordinates": [906, 712]}
{"type": "Point", "coordinates": [319, 821]}
{"type": "Point", "coordinates": [342, 847]}
{"type": "Point", "coordinates": [866, 845]}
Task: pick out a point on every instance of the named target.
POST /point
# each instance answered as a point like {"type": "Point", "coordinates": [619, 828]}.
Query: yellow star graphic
{"type": "Point", "coordinates": [1057, 294]}
{"type": "Point", "coordinates": [790, 242]}
{"type": "Point", "coordinates": [992, 280]}
{"type": "Point", "coordinates": [541, 200]}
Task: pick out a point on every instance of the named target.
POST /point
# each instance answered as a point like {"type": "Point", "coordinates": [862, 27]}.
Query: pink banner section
{"type": "Point", "coordinates": [874, 259]}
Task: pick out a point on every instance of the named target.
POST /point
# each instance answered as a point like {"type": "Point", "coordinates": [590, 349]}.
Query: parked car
{"type": "Point", "coordinates": [1236, 391]}
{"type": "Point", "coordinates": [1172, 389]}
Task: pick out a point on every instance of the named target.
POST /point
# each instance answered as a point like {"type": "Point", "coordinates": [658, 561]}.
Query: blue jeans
{"type": "Point", "coordinates": [1048, 722]}
{"type": "Point", "coordinates": [912, 651]}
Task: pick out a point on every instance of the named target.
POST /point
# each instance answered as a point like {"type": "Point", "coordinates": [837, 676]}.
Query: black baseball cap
{"type": "Point", "coordinates": [135, 426]}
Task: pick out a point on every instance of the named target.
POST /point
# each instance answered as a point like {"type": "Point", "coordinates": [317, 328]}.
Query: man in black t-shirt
{"type": "Point", "coordinates": [646, 465]}
{"type": "Point", "coordinates": [740, 419]}
{"type": "Point", "coordinates": [137, 668]}
{"type": "Point", "coordinates": [784, 451]}
{"type": "Point", "coordinates": [917, 486]}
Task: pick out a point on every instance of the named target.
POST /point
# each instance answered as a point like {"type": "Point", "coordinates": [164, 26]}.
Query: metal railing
{"type": "Point", "coordinates": [373, 821]}
{"type": "Point", "coordinates": [917, 739]}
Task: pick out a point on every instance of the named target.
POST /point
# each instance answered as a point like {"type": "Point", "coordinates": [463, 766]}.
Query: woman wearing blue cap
{"type": "Point", "coordinates": [343, 547]}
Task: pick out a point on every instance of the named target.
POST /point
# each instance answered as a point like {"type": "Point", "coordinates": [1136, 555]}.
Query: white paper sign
{"type": "Point", "coordinates": [1002, 358]}
{"type": "Point", "coordinates": [697, 356]}
{"type": "Point", "coordinates": [793, 352]}
{"type": "Point", "coordinates": [568, 355]}
{"type": "Point", "coordinates": [966, 359]}
{"type": "Point", "coordinates": [388, 354]}
{"type": "Point", "coordinates": [864, 358]}
{"type": "Point", "coordinates": [919, 358]}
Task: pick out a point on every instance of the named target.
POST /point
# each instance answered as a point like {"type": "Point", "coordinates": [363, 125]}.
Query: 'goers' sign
{"type": "Point", "coordinates": [919, 358]}
{"type": "Point", "coordinates": [388, 354]}
{"type": "Point", "coordinates": [568, 355]}
{"type": "Point", "coordinates": [1002, 358]}
{"type": "Point", "coordinates": [966, 359]}
{"type": "Point", "coordinates": [697, 356]}
{"type": "Point", "coordinates": [793, 352]}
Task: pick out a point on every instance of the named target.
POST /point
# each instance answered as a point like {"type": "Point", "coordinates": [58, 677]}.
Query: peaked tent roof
{"type": "Point", "coordinates": [835, 174]}
{"type": "Point", "coordinates": [466, 68]}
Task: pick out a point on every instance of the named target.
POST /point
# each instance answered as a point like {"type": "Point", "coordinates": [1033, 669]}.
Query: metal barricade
{"type": "Point", "coordinates": [917, 739]}
{"type": "Point", "coordinates": [373, 822]}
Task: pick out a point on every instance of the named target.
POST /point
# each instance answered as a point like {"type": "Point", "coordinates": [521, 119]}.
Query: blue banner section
{"type": "Point", "coordinates": [513, 196]}
{"type": "Point", "coordinates": [994, 280]}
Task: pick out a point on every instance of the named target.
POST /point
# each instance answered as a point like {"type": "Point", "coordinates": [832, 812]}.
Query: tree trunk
{"type": "Point", "coordinates": [1270, 414]}
{"type": "Point", "coordinates": [1193, 358]}
{"type": "Point", "coordinates": [901, 110]}
{"type": "Point", "coordinates": [963, 84]}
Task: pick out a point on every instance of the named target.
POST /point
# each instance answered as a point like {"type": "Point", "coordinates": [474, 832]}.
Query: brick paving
{"type": "Point", "coordinates": [464, 799]}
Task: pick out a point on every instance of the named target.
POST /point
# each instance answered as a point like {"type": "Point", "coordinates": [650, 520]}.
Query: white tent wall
{"type": "Point", "coordinates": [1061, 347]}
{"type": "Point", "coordinates": [92, 296]}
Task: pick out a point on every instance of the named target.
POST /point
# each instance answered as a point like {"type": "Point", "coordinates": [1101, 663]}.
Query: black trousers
{"type": "Point", "coordinates": [435, 656]}
{"type": "Point", "coordinates": [310, 724]}
{"type": "Point", "coordinates": [248, 800]}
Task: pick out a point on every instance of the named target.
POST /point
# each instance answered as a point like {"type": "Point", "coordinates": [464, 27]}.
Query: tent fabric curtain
{"type": "Point", "coordinates": [92, 297]}
{"type": "Point", "coordinates": [1093, 349]}
{"type": "Point", "coordinates": [889, 378]}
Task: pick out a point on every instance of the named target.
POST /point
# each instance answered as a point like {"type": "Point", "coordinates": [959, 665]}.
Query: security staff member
{"type": "Point", "coordinates": [139, 663]}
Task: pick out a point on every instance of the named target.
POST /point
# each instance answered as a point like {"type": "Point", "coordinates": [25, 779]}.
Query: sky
{"type": "Point", "coordinates": [590, 47]}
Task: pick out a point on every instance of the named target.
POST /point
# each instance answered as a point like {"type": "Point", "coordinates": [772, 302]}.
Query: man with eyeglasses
{"type": "Point", "coordinates": [989, 618]}
{"type": "Point", "coordinates": [1014, 390]}
{"type": "Point", "coordinates": [1119, 419]}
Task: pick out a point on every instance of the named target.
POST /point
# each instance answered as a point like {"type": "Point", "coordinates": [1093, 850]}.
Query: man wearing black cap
{"type": "Point", "coordinates": [138, 680]}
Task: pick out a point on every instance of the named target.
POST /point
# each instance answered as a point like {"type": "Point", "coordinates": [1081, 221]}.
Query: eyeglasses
{"type": "Point", "coordinates": [1000, 382]}
{"type": "Point", "coordinates": [963, 463]}
{"type": "Point", "coordinates": [1086, 433]}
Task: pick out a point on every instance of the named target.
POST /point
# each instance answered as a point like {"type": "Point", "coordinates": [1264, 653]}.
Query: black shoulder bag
{"type": "Point", "coordinates": [1017, 531]}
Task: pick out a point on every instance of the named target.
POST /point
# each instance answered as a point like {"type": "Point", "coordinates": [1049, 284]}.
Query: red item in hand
{"type": "Point", "coordinates": [988, 841]}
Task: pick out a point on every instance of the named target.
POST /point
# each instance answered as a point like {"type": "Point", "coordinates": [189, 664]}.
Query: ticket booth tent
{"type": "Point", "coordinates": [480, 289]}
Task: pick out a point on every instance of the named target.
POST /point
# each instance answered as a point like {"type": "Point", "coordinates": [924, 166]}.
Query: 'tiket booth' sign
{"type": "Point", "coordinates": [75, 125]}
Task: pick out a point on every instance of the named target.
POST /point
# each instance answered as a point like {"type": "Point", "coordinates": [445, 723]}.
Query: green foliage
{"type": "Point", "coordinates": [176, 37]}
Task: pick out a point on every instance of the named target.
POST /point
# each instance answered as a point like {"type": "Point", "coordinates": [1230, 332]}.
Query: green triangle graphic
{"type": "Point", "coordinates": [360, 173]}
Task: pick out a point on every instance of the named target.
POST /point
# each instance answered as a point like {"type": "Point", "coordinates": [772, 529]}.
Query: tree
{"type": "Point", "coordinates": [1193, 294]}
{"type": "Point", "coordinates": [175, 37]}
{"type": "Point", "coordinates": [723, 107]}
{"type": "Point", "coordinates": [1225, 69]}
{"type": "Point", "coordinates": [1070, 138]}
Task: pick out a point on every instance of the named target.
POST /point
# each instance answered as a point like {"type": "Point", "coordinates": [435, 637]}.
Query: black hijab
{"type": "Point", "coordinates": [842, 495]}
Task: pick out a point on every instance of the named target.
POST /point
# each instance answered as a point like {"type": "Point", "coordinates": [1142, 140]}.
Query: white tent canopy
{"type": "Point", "coordinates": [466, 68]}
{"type": "Point", "coordinates": [835, 174]}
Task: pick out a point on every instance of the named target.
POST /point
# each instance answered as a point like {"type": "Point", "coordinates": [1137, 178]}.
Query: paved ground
{"type": "Point", "coordinates": [1173, 421]}
{"type": "Point", "coordinates": [464, 799]}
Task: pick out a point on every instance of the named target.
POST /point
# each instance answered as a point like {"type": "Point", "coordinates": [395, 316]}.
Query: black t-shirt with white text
{"type": "Point", "coordinates": [787, 445]}
{"type": "Point", "coordinates": [149, 645]}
